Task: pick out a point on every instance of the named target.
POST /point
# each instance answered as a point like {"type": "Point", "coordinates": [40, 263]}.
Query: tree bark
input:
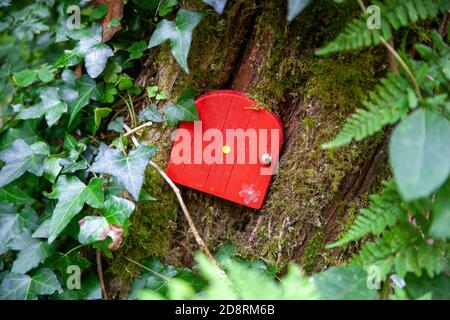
{"type": "Point", "coordinates": [310, 201]}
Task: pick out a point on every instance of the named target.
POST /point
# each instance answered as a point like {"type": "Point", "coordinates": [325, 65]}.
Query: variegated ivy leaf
{"type": "Point", "coordinates": [183, 109]}
{"type": "Point", "coordinates": [117, 210]}
{"type": "Point", "coordinates": [218, 5]}
{"type": "Point", "coordinates": [150, 113]}
{"type": "Point", "coordinates": [295, 7]}
{"type": "Point", "coordinates": [13, 223]}
{"type": "Point", "coordinates": [72, 194]}
{"type": "Point", "coordinates": [95, 52]}
{"type": "Point", "coordinates": [31, 252]}
{"type": "Point", "coordinates": [179, 33]}
{"type": "Point", "coordinates": [20, 158]}
{"type": "Point", "coordinates": [128, 169]}
{"type": "Point", "coordinates": [15, 195]}
{"type": "Point", "coordinates": [92, 229]}
{"type": "Point", "coordinates": [88, 89]}
{"type": "Point", "coordinates": [17, 286]}
{"type": "Point", "coordinates": [51, 106]}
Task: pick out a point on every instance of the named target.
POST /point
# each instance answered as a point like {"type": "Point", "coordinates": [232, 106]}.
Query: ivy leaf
{"type": "Point", "coordinates": [109, 93]}
{"type": "Point", "coordinates": [179, 33]}
{"type": "Point", "coordinates": [129, 170]}
{"type": "Point", "coordinates": [24, 287]}
{"type": "Point", "coordinates": [46, 73]}
{"type": "Point", "coordinates": [25, 77]}
{"type": "Point", "coordinates": [20, 158]}
{"type": "Point", "coordinates": [218, 5]}
{"type": "Point", "coordinates": [10, 227]}
{"type": "Point", "coordinates": [343, 283]}
{"type": "Point", "coordinates": [61, 262]}
{"type": "Point", "coordinates": [137, 49]}
{"type": "Point", "coordinates": [110, 74]}
{"type": "Point", "coordinates": [73, 147]}
{"type": "Point", "coordinates": [72, 194]}
{"type": "Point", "coordinates": [295, 7]}
{"type": "Point", "coordinates": [184, 109]}
{"type": "Point", "coordinates": [117, 210]}
{"type": "Point", "coordinates": [99, 12]}
{"type": "Point", "coordinates": [92, 229]}
{"type": "Point", "coordinates": [52, 168]}
{"type": "Point", "coordinates": [90, 290]}
{"type": "Point", "coordinates": [31, 252]}
{"type": "Point", "coordinates": [419, 153]}
{"type": "Point", "coordinates": [440, 220]}
{"type": "Point", "coordinates": [116, 125]}
{"type": "Point", "coordinates": [15, 195]}
{"type": "Point", "coordinates": [95, 52]}
{"type": "Point", "coordinates": [99, 114]}
{"type": "Point", "coordinates": [51, 106]}
{"type": "Point", "coordinates": [43, 230]}
{"type": "Point", "coordinates": [88, 90]}
{"type": "Point", "coordinates": [150, 113]}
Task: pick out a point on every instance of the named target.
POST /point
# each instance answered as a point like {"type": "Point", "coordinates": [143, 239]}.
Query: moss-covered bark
{"type": "Point", "coordinates": [252, 48]}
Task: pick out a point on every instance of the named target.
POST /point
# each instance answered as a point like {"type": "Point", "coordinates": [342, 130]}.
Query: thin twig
{"type": "Point", "coordinates": [177, 192]}
{"type": "Point", "coordinates": [134, 130]}
{"type": "Point", "coordinates": [100, 274]}
{"type": "Point", "coordinates": [194, 230]}
{"type": "Point", "coordinates": [397, 56]}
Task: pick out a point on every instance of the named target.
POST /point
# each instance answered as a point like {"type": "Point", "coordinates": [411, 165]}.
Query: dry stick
{"type": "Point", "coordinates": [177, 192]}
{"type": "Point", "coordinates": [142, 126]}
{"type": "Point", "coordinates": [100, 274]}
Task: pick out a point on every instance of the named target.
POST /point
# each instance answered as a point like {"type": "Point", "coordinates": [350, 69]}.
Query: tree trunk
{"type": "Point", "coordinates": [316, 192]}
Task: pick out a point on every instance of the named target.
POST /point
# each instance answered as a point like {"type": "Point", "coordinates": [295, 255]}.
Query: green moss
{"type": "Point", "coordinates": [313, 252]}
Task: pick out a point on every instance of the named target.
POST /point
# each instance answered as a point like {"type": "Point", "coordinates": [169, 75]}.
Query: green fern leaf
{"type": "Point", "coordinates": [394, 14]}
{"type": "Point", "coordinates": [383, 211]}
{"type": "Point", "coordinates": [402, 249]}
{"type": "Point", "coordinates": [389, 103]}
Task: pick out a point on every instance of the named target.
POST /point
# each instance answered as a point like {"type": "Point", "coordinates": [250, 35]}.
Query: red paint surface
{"type": "Point", "coordinates": [240, 183]}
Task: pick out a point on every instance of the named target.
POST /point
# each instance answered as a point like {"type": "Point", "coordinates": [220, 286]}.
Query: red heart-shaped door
{"type": "Point", "coordinates": [232, 152]}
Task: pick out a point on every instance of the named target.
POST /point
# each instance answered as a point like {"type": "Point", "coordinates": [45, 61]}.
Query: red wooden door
{"type": "Point", "coordinates": [231, 152]}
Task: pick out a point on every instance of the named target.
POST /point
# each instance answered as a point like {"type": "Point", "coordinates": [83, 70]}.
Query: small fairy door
{"type": "Point", "coordinates": [232, 152]}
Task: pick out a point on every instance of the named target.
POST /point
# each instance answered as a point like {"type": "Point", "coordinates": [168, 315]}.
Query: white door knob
{"type": "Point", "coordinates": [266, 158]}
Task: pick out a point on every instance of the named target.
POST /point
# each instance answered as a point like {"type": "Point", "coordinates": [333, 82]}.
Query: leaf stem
{"type": "Point", "coordinates": [396, 56]}
{"type": "Point", "coordinates": [100, 274]}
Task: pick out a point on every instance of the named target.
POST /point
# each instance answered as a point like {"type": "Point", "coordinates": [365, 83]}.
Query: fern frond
{"type": "Point", "coordinates": [402, 249]}
{"type": "Point", "coordinates": [389, 103]}
{"type": "Point", "coordinates": [383, 211]}
{"type": "Point", "coordinates": [394, 15]}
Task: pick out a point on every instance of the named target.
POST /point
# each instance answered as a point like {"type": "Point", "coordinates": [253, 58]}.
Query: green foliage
{"type": "Point", "coordinates": [394, 14]}
{"type": "Point", "coordinates": [419, 153]}
{"type": "Point", "coordinates": [44, 233]}
{"type": "Point", "coordinates": [128, 169]}
{"type": "Point", "coordinates": [238, 279]}
{"type": "Point", "coordinates": [184, 109]}
{"type": "Point", "coordinates": [179, 33]}
{"type": "Point", "coordinates": [384, 211]}
{"type": "Point", "coordinates": [16, 286]}
{"type": "Point", "coordinates": [20, 158]}
{"type": "Point", "coordinates": [388, 104]}
{"type": "Point", "coordinates": [72, 194]}
{"type": "Point", "coordinates": [407, 223]}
